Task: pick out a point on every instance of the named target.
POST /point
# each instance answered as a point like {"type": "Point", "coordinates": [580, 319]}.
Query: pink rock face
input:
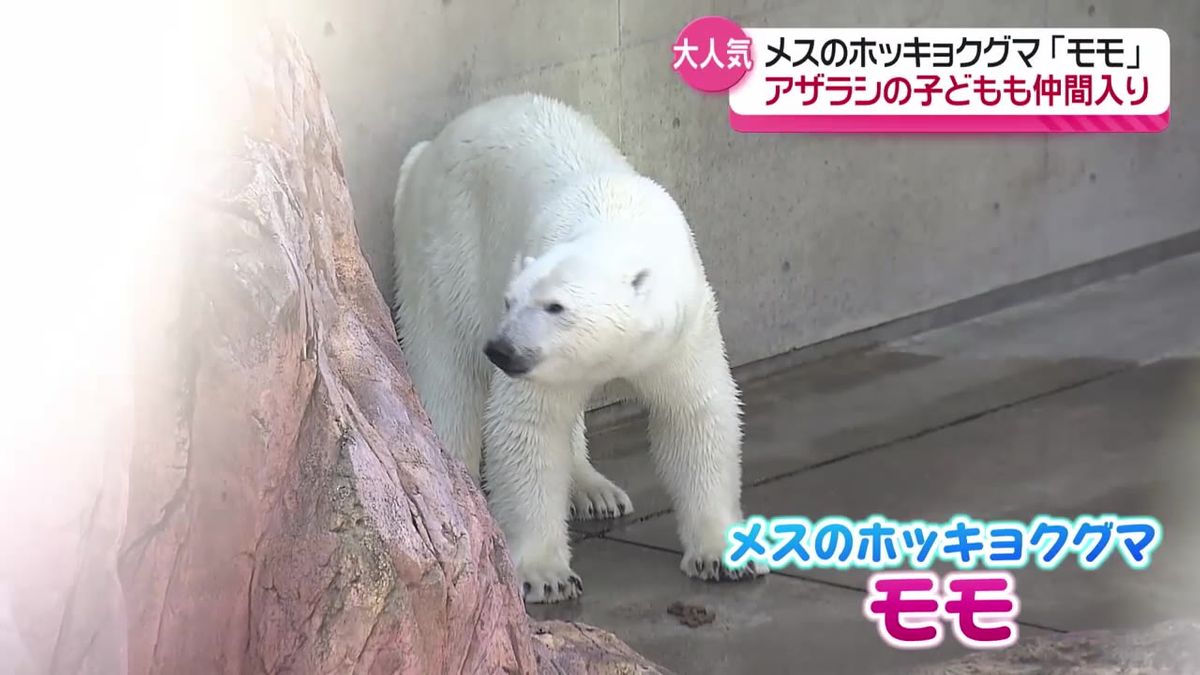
{"type": "Point", "coordinates": [567, 647]}
{"type": "Point", "coordinates": [257, 488]}
{"type": "Point", "coordinates": [289, 507]}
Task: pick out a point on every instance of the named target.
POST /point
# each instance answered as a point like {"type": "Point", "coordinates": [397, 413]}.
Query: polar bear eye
{"type": "Point", "coordinates": [554, 308]}
{"type": "Point", "coordinates": [640, 279]}
{"type": "Point", "coordinates": [507, 304]}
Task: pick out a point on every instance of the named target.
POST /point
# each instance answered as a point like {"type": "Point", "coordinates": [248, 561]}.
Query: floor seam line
{"type": "Point", "coordinates": [884, 445]}
{"type": "Point", "coordinates": [942, 427]}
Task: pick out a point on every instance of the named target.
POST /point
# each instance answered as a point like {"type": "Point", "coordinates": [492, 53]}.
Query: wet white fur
{"type": "Point", "coordinates": [525, 198]}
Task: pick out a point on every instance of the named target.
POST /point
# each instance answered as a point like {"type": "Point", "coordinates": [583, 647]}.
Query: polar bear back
{"type": "Point", "coordinates": [468, 202]}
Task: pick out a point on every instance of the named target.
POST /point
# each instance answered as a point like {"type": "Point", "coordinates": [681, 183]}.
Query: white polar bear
{"type": "Point", "coordinates": [524, 238]}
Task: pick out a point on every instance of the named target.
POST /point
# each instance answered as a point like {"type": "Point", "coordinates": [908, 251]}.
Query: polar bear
{"type": "Point", "coordinates": [534, 265]}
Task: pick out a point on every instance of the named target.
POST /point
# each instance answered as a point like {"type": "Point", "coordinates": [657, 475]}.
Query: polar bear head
{"type": "Point", "coordinates": [583, 312]}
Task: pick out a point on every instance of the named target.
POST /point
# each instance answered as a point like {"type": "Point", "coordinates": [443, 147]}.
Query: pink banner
{"type": "Point", "coordinates": [950, 124]}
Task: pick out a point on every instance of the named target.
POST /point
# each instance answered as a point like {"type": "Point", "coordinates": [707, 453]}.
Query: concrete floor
{"type": "Point", "coordinates": [1084, 403]}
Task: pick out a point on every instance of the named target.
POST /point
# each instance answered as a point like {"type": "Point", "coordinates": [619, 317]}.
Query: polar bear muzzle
{"type": "Point", "coordinates": [508, 358]}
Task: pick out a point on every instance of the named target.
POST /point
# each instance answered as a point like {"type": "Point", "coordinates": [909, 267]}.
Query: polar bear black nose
{"type": "Point", "coordinates": [501, 353]}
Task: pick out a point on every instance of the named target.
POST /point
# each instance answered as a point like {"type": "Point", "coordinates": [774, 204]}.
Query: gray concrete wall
{"type": "Point", "coordinates": [805, 237]}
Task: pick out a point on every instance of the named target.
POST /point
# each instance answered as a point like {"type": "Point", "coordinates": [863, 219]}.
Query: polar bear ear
{"type": "Point", "coordinates": [639, 280]}
{"type": "Point", "coordinates": [520, 263]}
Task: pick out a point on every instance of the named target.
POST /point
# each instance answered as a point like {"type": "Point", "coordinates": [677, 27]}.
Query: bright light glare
{"type": "Point", "coordinates": [106, 105]}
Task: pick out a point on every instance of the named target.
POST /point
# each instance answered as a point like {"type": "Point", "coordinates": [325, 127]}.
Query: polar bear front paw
{"type": "Point", "coordinates": [597, 497]}
{"type": "Point", "coordinates": [550, 584]}
{"type": "Point", "coordinates": [712, 568]}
